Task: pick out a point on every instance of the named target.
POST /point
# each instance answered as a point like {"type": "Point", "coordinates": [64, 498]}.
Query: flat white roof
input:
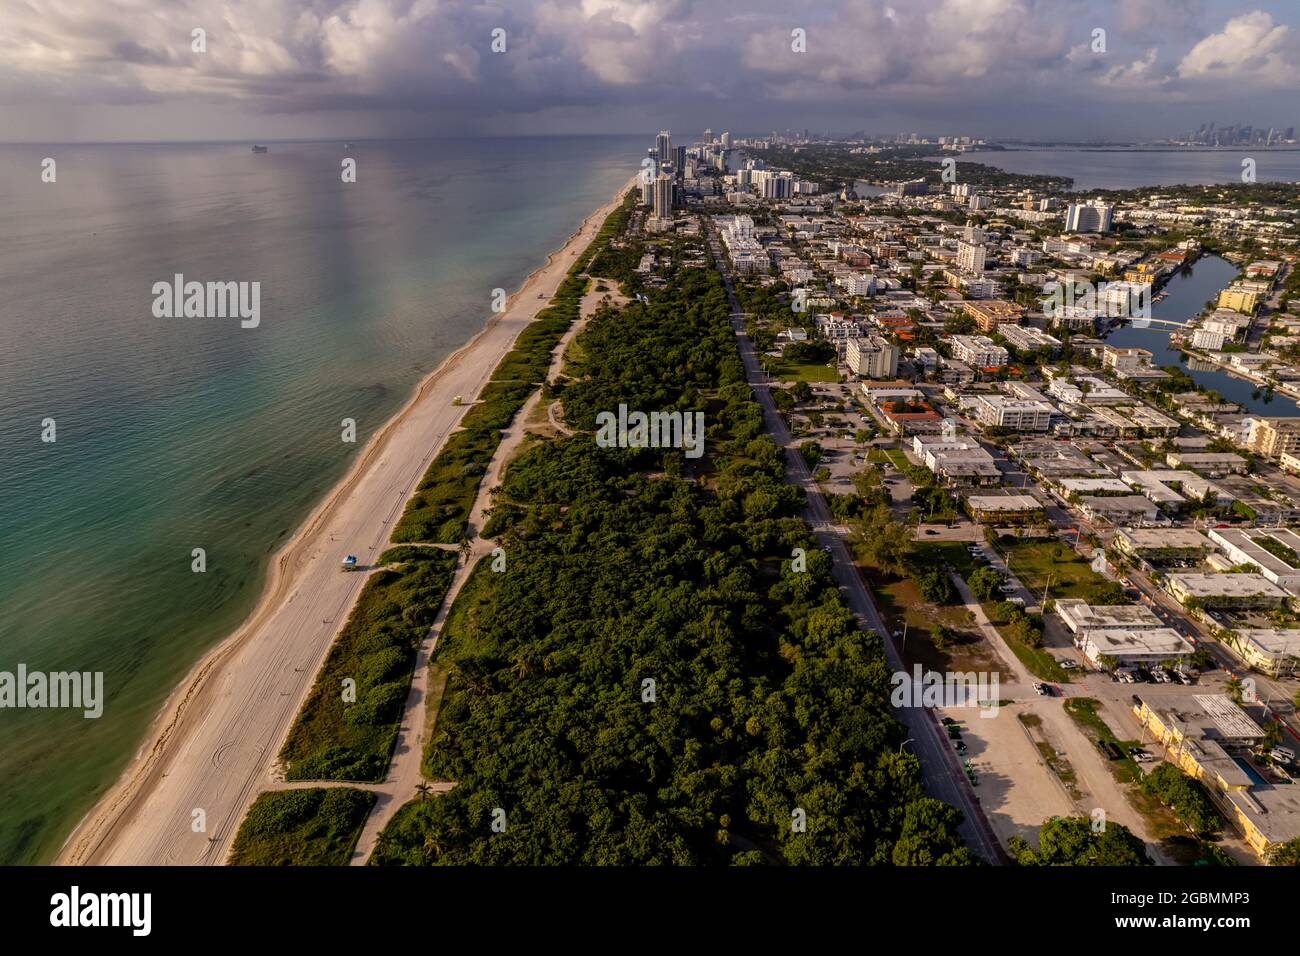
{"type": "Point", "coordinates": [1004, 502]}
{"type": "Point", "coordinates": [1080, 616]}
{"type": "Point", "coordinates": [1186, 538]}
{"type": "Point", "coordinates": [1160, 641]}
{"type": "Point", "coordinates": [1278, 642]}
{"type": "Point", "coordinates": [1227, 585]}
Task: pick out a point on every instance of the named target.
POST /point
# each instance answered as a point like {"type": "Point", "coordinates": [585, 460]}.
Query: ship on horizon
{"type": "Point", "coordinates": [259, 149]}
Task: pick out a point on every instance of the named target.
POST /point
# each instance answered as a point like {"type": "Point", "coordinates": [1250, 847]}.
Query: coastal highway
{"type": "Point", "coordinates": [941, 770]}
{"type": "Point", "coordinates": [212, 749]}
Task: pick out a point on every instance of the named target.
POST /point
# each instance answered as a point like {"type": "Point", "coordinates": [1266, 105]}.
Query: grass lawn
{"type": "Point", "coordinates": [310, 827]}
{"type": "Point", "coordinates": [952, 553]}
{"type": "Point", "coordinates": [1039, 663]}
{"type": "Point", "coordinates": [814, 372]}
{"type": "Point", "coordinates": [1033, 560]}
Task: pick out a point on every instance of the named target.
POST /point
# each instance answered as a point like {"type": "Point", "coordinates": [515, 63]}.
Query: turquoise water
{"type": "Point", "coordinates": [175, 434]}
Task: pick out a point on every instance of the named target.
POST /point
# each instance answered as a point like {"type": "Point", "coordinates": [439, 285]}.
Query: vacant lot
{"type": "Point", "coordinates": [1046, 562]}
{"type": "Point", "coordinates": [794, 372]}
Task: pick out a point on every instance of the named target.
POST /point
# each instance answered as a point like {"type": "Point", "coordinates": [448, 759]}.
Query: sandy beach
{"type": "Point", "coordinates": [213, 744]}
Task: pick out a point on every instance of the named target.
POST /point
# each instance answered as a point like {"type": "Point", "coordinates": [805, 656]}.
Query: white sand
{"type": "Point", "coordinates": [213, 744]}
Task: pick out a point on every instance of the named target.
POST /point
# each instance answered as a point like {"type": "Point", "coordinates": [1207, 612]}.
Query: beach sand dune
{"type": "Point", "coordinates": [213, 744]}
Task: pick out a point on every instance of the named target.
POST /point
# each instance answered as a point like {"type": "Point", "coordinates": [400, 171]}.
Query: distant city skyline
{"type": "Point", "coordinates": [1074, 70]}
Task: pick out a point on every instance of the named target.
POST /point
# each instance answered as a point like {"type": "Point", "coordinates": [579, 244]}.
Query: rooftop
{"type": "Point", "coordinates": [1081, 616]}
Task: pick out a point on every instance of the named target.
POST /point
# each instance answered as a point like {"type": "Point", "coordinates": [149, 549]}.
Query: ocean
{"type": "Point", "coordinates": [1133, 168]}
{"type": "Point", "coordinates": [176, 434]}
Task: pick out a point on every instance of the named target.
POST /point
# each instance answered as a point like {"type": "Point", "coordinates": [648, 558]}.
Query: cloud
{"type": "Point", "coordinates": [923, 44]}
{"type": "Point", "coordinates": [626, 61]}
{"type": "Point", "coordinates": [1141, 73]}
{"type": "Point", "coordinates": [1250, 48]}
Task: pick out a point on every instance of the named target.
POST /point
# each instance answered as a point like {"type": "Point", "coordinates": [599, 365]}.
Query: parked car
{"type": "Point", "coordinates": [1068, 664]}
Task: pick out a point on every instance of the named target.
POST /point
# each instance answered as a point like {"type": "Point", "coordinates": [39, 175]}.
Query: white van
{"type": "Point", "coordinates": [1282, 754]}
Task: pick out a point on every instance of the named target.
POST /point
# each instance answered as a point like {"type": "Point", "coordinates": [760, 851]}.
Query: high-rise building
{"type": "Point", "coordinates": [871, 356]}
{"type": "Point", "coordinates": [708, 136]}
{"type": "Point", "coordinates": [664, 146]}
{"type": "Point", "coordinates": [663, 197]}
{"type": "Point", "coordinates": [726, 140]}
{"type": "Point", "coordinates": [970, 256]}
{"type": "Point", "coordinates": [1093, 216]}
{"type": "Point", "coordinates": [679, 160]}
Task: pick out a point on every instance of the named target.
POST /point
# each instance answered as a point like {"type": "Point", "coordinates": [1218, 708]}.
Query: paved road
{"type": "Point", "coordinates": [941, 769]}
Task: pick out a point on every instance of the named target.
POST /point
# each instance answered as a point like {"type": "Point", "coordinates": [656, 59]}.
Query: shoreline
{"type": "Point", "coordinates": [187, 705]}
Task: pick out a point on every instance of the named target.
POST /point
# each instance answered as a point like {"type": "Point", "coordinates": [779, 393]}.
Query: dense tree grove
{"type": "Point", "coordinates": [1073, 841]}
{"type": "Point", "coordinates": [665, 673]}
{"type": "Point", "coordinates": [1185, 796]}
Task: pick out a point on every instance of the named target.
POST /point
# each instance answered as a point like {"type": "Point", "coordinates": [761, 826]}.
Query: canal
{"type": "Point", "coordinates": [1188, 292]}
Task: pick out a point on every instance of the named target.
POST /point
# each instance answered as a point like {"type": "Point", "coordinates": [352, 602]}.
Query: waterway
{"type": "Point", "coordinates": [1188, 293]}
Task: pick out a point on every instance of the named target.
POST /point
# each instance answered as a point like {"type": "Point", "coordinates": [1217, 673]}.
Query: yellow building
{"type": "Point", "coordinates": [1143, 272]}
{"type": "Point", "coordinates": [990, 313]}
{"type": "Point", "coordinates": [1239, 300]}
{"type": "Point", "coordinates": [1209, 738]}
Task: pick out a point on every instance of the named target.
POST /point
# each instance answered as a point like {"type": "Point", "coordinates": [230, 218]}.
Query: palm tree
{"type": "Point", "coordinates": [424, 788]}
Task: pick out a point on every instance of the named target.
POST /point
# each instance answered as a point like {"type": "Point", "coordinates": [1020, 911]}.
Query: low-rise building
{"type": "Point", "coordinates": [1125, 359]}
{"type": "Point", "coordinates": [1272, 550]}
{"type": "Point", "coordinates": [1211, 739]}
{"type": "Point", "coordinates": [1271, 650]}
{"type": "Point", "coordinates": [1005, 510]}
{"type": "Point", "coordinates": [1214, 464]}
{"type": "Point", "coordinates": [1130, 510]}
{"type": "Point", "coordinates": [1125, 634]}
{"type": "Point", "coordinates": [961, 462]}
{"type": "Point", "coordinates": [991, 313]}
{"type": "Point", "coordinates": [1163, 547]}
{"type": "Point", "coordinates": [1225, 590]}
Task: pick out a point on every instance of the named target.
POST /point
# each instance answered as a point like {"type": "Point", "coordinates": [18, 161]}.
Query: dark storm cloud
{"type": "Point", "coordinates": [1000, 66]}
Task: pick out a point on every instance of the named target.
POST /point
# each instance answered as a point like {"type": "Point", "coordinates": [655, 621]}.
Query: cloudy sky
{"type": "Point", "coordinates": [97, 70]}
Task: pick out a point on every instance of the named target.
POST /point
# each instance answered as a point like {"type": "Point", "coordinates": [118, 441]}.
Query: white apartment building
{"type": "Point", "coordinates": [1125, 359]}
{"type": "Point", "coordinates": [979, 351]}
{"type": "Point", "coordinates": [970, 256]}
{"type": "Point", "coordinates": [871, 356]}
{"type": "Point", "coordinates": [1093, 216]}
{"type": "Point", "coordinates": [999, 411]}
{"type": "Point", "coordinates": [1029, 338]}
